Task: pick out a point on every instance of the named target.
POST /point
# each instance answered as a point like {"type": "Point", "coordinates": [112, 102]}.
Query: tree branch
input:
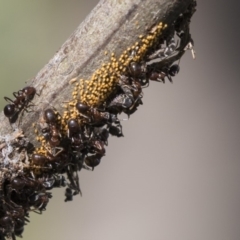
{"type": "Point", "coordinates": [112, 26]}
{"type": "Point", "coordinates": [117, 49]}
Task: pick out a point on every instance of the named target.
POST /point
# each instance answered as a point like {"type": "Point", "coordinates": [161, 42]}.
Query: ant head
{"type": "Point", "coordinates": [29, 92]}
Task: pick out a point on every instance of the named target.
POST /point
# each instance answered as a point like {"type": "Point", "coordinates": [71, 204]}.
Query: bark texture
{"type": "Point", "coordinates": [112, 26]}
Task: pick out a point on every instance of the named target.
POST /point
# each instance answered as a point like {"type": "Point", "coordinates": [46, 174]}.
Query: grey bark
{"type": "Point", "coordinates": [112, 26]}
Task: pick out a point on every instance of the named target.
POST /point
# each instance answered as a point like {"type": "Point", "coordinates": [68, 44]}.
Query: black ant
{"type": "Point", "coordinates": [68, 194]}
{"type": "Point", "coordinates": [40, 200]}
{"type": "Point", "coordinates": [101, 134]}
{"type": "Point", "coordinates": [115, 130]}
{"type": "Point", "coordinates": [73, 178]}
{"type": "Point", "coordinates": [130, 99]}
{"type": "Point", "coordinates": [12, 220]}
{"type": "Point", "coordinates": [144, 72]}
{"type": "Point", "coordinates": [39, 159]}
{"type": "Point", "coordinates": [51, 163]}
{"type": "Point", "coordinates": [159, 76]}
{"type": "Point", "coordinates": [120, 102]}
{"type": "Point", "coordinates": [22, 99]}
{"type": "Point", "coordinates": [93, 160]}
{"type": "Point", "coordinates": [75, 135]}
{"type": "Point", "coordinates": [95, 116]}
{"type": "Point", "coordinates": [50, 129]}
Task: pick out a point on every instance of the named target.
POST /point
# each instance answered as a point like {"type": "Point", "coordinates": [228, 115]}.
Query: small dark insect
{"type": "Point", "coordinates": [7, 222]}
{"type": "Point", "coordinates": [68, 194]}
{"type": "Point", "coordinates": [137, 70]}
{"type": "Point", "coordinates": [59, 181]}
{"type": "Point", "coordinates": [18, 183]}
{"type": "Point", "coordinates": [159, 75]}
{"type": "Point", "coordinates": [40, 200]}
{"type": "Point", "coordinates": [54, 163]}
{"type": "Point", "coordinates": [143, 72]}
{"type": "Point", "coordinates": [12, 220]}
{"type": "Point", "coordinates": [54, 181]}
{"type": "Point", "coordinates": [73, 178]}
{"type": "Point", "coordinates": [19, 226]}
{"type": "Point", "coordinates": [50, 116]}
{"type": "Point", "coordinates": [102, 134]}
{"type": "Point", "coordinates": [96, 146]}
{"type": "Point", "coordinates": [51, 131]}
{"type": "Point", "coordinates": [173, 70]}
{"type": "Point", "coordinates": [95, 116]}
{"type": "Point", "coordinates": [55, 137]}
{"type": "Point", "coordinates": [120, 102]}
{"type": "Point", "coordinates": [22, 102]}
{"type": "Point", "coordinates": [75, 135]}
{"type": "Point", "coordinates": [116, 130]}
{"type": "Point", "coordinates": [15, 189]}
{"type": "Point", "coordinates": [129, 96]}
{"type": "Point", "coordinates": [93, 160]}
{"type": "Point", "coordinates": [38, 159]}
{"type": "Point", "coordinates": [82, 108]}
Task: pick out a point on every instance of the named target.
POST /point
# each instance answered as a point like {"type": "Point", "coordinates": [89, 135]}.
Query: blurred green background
{"type": "Point", "coordinates": [30, 33]}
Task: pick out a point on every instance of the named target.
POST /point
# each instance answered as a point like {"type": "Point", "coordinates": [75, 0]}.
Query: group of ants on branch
{"type": "Point", "coordinates": [28, 173]}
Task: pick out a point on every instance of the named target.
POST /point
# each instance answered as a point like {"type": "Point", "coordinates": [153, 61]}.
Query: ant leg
{"type": "Point", "coordinates": [9, 100]}
{"type": "Point", "coordinates": [43, 86]}
{"type": "Point", "coordinates": [17, 94]}
{"type": "Point", "coordinates": [54, 154]}
{"type": "Point", "coordinates": [60, 150]}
